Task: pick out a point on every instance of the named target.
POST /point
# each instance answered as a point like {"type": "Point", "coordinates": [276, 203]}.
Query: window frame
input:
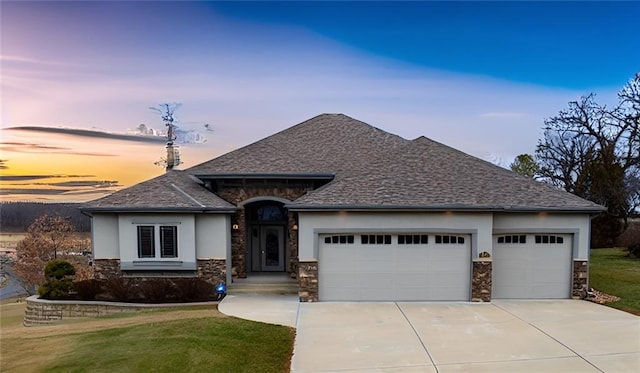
{"type": "Point", "coordinates": [157, 241]}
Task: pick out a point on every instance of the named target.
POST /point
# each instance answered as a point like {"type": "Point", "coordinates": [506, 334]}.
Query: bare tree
{"type": "Point", "coordinates": [48, 237]}
{"type": "Point", "coordinates": [594, 152]}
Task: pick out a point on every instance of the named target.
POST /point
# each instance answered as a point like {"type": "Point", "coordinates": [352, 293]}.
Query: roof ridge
{"type": "Point", "coordinates": [187, 195]}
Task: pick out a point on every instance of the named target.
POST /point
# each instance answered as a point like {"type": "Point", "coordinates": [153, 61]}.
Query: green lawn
{"type": "Point", "coordinates": [612, 272]}
{"type": "Point", "coordinates": [190, 341]}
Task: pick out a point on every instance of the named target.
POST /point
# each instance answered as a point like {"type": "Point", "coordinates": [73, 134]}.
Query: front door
{"type": "Point", "coordinates": [272, 248]}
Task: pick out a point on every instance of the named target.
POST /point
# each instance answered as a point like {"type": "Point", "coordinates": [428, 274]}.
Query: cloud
{"type": "Point", "coordinates": [3, 164]}
{"type": "Point", "coordinates": [39, 177]}
{"type": "Point", "coordinates": [23, 147]}
{"type": "Point", "coordinates": [90, 133]}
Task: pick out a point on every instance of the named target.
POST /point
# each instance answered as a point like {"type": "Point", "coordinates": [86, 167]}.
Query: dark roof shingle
{"type": "Point", "coordinates": [172, 191]}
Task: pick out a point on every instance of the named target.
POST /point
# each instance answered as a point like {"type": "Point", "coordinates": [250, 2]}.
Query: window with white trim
{"type": "Point", "coordinates": [443, 239]}
{"type": "Point", "coordinates": [549, 239]}
{"type": "Point", "coordinates": [165, 237]}
{"type": "Point", "coordinates": [513, 239]}
{"type": "Point", "coordinates": [413, 239]}
{"type": "Point", "coordinates": [341, 239]}
{"type": "Point", "coordinates": [375, 239]}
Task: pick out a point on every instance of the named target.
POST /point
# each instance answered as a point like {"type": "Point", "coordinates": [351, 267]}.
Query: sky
{"type": "Point", "coordinates": [78, 78]}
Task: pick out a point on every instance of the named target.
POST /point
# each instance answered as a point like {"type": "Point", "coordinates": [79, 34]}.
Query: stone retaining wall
{"type": "Point", "coordinates": [44, 311]}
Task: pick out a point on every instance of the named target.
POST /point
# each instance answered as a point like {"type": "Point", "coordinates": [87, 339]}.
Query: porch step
{"type": "Point", "coordinates": [262, 288]}
{"type": "Point", "coordinates": [259, 284]}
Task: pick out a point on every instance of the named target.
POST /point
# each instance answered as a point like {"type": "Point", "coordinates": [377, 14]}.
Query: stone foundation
{"type": "Point", "coordinates": [580, 279]}
{"type": "Point", "coordinates": [481, 281]}
{"type": "Point", "coordinates": [308, 281]}
{"type": "Point", "coordinates": [213, 270]}
{"type": "Point", "coordinates": [106, 268]}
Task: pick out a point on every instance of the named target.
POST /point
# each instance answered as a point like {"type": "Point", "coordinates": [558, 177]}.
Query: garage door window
{"type": "Point", "coordinates": [548, 239]}
{"type": "Point", "coordinates": [413, 239]}
{"type": "Point", "coordinates": [512, 239]}
{"type": "Point", "coordinates": [375, 239]}
{"type": "Point", "coordinates": [449, 240]}
{"type": "Point", "coordinates": [342, 239]}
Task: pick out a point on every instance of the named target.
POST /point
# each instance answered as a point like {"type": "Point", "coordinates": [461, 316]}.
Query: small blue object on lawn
{"type": "Point", "coordinates": [221, 290]}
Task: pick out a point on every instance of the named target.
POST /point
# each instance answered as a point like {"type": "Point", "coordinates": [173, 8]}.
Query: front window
{"type": "Point", "coordinates": [166, 239]}
{"type": "Point", "coordinates": [146, 241]}
{"type": "Point", "coordinates": [169, 241]}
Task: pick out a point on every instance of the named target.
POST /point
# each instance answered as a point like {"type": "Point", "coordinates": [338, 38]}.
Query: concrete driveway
{"type": "Point", "coordinates": [503, 336]}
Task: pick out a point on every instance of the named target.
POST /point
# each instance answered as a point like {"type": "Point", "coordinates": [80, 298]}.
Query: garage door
{"type": "Point", "coordinates": [384, 267]}
{"type": "Point", "coordinates": [532, 266]}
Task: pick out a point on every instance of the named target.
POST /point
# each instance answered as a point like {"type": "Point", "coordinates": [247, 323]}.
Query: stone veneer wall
{"type": "Point", "coordinates": [481, 281]}
{"type": "Point", "coordinates": [213, 270]}
{"type": "Point", "coordinates": [580, 279]}
{"type": "Point", "coordinates": [308, 281]}
{"type": "Point", "coordinates": [43, 311]}
{"type": "Point", "coordinates": [236, 195]}
{"type": "Point", "coordinates": [106, 268]}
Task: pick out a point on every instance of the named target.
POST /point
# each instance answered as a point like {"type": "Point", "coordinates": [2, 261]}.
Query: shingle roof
{"type": "Point", "coordinates": [325, 144]}
{"type": "Point", "coordinates": [425, 174]}
{"type": "Point", "coordinates": [172, 191]}
{"type": "Point", "coordinates": [376, 169]}
{"type": "Point", "coordinates": [372, 169]}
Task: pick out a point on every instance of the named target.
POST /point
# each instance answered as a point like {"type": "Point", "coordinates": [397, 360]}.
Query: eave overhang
{"type": "Point", "coordinates": [444, 208]}
{"type": "Point", "coordinates": [172, 210]}
{"type": "Point", "coordinates": [307, 176]}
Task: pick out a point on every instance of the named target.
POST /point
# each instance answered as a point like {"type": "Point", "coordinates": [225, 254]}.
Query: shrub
{"type": "Point", "coordinates": [120, 289]}
{"type": "Point", "coordinates": [88, 289]}
{"type": "Point", "coordinates": [194, 290]}
{"type": "Point", "coordinates": [634, 251]}
{"type": "Point", "coordinates": [58, 269]}
{"type": "Point", "coordinates": [59, 282]}
{"type": "Point", "coordinates": [158, 290]}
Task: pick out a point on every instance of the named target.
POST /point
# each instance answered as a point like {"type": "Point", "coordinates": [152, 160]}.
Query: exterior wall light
{"type": "Point", "coordinates": [235, 227]}
{"type": "Point", "coordinates": [295, 227]}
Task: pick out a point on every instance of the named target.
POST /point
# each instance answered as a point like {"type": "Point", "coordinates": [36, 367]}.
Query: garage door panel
{"type": "Point", "coordinates": [394, 271]}
{"type": "Point", "coordinates": [532, 270]}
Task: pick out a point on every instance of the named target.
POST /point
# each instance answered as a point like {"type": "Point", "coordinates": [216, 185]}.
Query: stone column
{"type": "Point", "coordinates": [293, 246]}
{"type": "Point", "coordinates": [213, 270]}
{"type": "Point", "coordinates": [308, 280]}
{"type": "Point", "coordinates": [481, 280]}
{"type": "Point", "coordinates": [580, 279]}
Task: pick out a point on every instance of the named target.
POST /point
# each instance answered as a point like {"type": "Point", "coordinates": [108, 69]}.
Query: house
{"type": "Point", "coordinates": [353, 213]}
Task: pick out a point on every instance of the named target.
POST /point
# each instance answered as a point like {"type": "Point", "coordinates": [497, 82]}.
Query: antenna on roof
{"type": "Point", "coordinates": [167, 112]}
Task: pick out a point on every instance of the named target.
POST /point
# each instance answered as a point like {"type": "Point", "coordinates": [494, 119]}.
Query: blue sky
{"type": "Point", "coordinates": [479, 76]}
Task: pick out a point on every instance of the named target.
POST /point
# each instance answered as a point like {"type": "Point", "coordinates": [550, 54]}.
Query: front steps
{"type": "Point", "coordinates": [264, 283]}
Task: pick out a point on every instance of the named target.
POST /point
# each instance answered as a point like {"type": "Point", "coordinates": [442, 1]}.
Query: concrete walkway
{"type": "Point", "coordinates": [502, 336]}
{"type": "Point", "coordinates": [269, 308]}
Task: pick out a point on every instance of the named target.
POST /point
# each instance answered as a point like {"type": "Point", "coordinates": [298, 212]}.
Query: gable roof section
{"type": "Point", "coordinates": [326, 144]}
{"type": "Point", "coordinates": [427, 175]}
{"type": "Point", "coordinates": [171, 192]}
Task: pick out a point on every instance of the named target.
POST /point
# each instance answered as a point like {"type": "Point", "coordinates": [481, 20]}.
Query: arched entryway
{"type": "Point", "coordinates": [267, 236]}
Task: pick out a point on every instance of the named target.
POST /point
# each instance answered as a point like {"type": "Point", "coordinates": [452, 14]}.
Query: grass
{"type": "Point", "coordinates": [612, 272]}
{"type": "Point", "coordinates": [182, 340]}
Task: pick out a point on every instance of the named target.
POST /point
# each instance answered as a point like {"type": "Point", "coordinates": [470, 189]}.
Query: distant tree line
{"type": "Point", "coordinates": [18, 216]}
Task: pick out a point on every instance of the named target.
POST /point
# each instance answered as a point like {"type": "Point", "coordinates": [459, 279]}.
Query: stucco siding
{"type": "Point", "coordinates": [104, 228]}
{"type": "Point", "coordinates": [576, 224]}
{"type": "Point", "coordinates": [478, 225]}
{"type": "Point", "coordinates": [185, 224]}
{"type": "Point", "coordinates": [213, 236]}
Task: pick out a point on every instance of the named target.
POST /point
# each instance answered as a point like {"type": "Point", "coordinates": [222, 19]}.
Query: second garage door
{"type": "Point", "coordinates": [532, 266]}
{"type": "Point", "coordinates": [384, 267]}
